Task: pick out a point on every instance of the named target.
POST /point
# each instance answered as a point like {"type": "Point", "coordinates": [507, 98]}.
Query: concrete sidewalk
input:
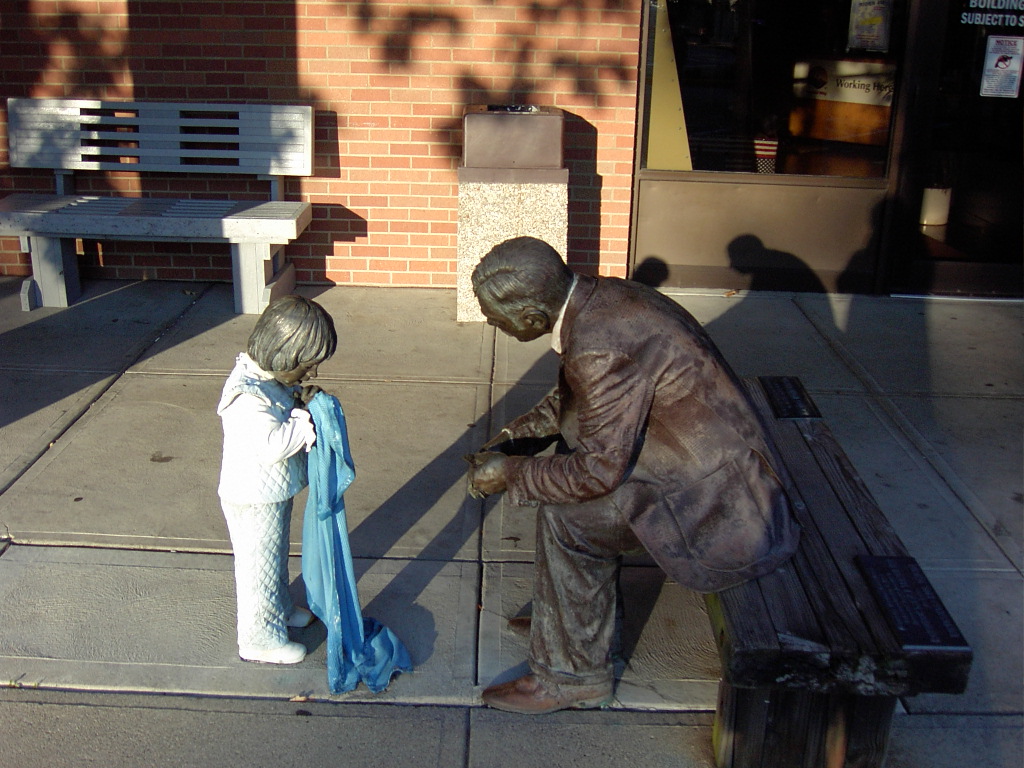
{"type": "Point", "coordinates": [116, 579]}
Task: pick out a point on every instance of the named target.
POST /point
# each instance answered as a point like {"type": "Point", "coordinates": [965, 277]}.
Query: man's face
{"type": "Point", "coordinates": [517, 325]}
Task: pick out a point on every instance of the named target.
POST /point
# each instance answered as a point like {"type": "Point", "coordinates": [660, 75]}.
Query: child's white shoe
{"type": "Point", "coordinates": [300, 618]}
{"type": "Point", "coordinates": [289, 653]}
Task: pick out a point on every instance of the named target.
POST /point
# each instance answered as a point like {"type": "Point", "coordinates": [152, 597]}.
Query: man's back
{"type": "Point", "coordinates": [696, 478]}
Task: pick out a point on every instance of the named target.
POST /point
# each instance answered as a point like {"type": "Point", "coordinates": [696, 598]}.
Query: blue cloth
{"type": "Point", "coordinates": [358, 648]}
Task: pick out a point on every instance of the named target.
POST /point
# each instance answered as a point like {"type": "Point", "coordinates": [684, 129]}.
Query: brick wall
{"type": "Point", "coordinates": [389, 82]}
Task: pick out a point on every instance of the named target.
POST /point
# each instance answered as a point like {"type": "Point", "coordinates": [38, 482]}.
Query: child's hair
{"type": "Point", "coordinates": [292, 331]}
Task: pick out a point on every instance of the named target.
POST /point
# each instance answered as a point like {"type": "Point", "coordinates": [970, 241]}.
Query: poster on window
{"type": "Point", "coordinates": [844, 100]}
{"type": "Point", "coordinates": [851, 81]}
{"type": "Point", "coordinates": [1000, 76]}
{"type": "Point", "coordinates": [869, 25]}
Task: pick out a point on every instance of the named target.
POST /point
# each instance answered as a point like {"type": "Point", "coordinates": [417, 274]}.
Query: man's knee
{"type": "Point", "coordinates": [595, 528]}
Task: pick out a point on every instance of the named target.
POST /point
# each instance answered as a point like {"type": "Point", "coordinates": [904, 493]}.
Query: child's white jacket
{"type": "Point", "coordinates": [265, 437]}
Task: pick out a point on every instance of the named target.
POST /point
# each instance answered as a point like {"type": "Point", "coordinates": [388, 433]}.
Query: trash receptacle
{"type": "Point", "coordinates": [512, 137]}
{"type": "Point", "coordinates": [512, 182]}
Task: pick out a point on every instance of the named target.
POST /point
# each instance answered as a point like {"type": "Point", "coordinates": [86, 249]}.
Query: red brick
{"type": "Point", "coordinates": [388, 132]}
{"type": "Point", "coordinates": [222, 275]}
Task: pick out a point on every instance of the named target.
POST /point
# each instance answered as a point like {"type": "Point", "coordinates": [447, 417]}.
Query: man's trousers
{"type": "Point", "coordinates": [579, 552]}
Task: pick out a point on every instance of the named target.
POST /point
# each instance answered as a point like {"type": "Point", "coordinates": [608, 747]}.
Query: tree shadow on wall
{"type": "Point", "coordinates": [85, 55]}
{"type": "Point", "coordinates": [67, 47]}
{"type": "Point", "coordinates": [396, 33]}
{"type": "Point", "coordinates": [594, 75]}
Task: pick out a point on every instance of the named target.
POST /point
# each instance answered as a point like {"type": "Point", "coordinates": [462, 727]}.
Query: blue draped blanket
{"type": "Point", "coordinates": [358, 648]}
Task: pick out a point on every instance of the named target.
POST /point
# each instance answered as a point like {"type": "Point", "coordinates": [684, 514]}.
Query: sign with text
{"type": "Point", "coordinates": [993, 13]}
{"type": "Point", "coordinates": [853, 82]}
{"type": "Point", "coordinates": [869, 25]}
{"type": "Point", "coordinates": [1000, 77]}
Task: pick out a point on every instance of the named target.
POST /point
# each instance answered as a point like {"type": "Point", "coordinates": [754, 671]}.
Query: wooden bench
{"type": "Point", "coordinates": [815, 654]}
{"type": "Point", "coordinates": [65, 135]}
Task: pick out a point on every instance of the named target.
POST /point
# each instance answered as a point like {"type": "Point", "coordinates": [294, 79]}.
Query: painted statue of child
{"type": "Point", "coordinates": [267, 434]}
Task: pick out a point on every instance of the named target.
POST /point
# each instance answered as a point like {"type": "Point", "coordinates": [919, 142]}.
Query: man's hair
{"type": "Point", "coordinates": [292, 331]}
{"type": "Point", "coordinates": [523, 271]}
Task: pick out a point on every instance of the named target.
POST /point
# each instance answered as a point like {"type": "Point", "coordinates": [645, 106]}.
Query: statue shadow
{"type": "Point", "coordinates": [397, 604]}
{"type": "Point", "coordinates": [771, 270]}
{"type": "Point", "coordinates": [412, 623]}
{"type": "Point", "coordinates": [652, 272]}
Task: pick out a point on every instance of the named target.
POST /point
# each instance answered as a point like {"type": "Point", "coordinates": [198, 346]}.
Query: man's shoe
{"type": "Point", "coordinates": [289, 653]}
{"type": "Point", "coordinates": [300, 618]}
{"type": "Point", "coordinates": [529, 695]}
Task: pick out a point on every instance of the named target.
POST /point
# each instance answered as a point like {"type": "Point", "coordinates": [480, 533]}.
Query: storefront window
{"type": "Point", "coordinates": [773, 86]}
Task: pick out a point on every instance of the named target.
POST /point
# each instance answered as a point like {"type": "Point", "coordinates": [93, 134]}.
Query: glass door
{"type": "Point", "coordinates": [967, 165]}
{"type": "Point", "coordinates": [837, 145]}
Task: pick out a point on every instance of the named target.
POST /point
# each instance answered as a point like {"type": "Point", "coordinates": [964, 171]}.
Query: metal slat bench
{"type": "Point", "coordinates": [65, 135]}
{"type": "Point", "coordinates": [815, 654]}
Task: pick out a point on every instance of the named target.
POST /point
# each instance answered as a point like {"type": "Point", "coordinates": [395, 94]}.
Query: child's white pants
{"type": "Point", "coordinates": [259, 538]}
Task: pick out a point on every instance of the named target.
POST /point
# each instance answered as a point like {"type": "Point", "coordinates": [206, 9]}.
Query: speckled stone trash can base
{"type": "Point", "coordinates": [490, 213]}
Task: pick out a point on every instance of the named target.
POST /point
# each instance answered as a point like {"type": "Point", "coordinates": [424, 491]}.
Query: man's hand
{"type": "Point", "coordinates": [486, 474]}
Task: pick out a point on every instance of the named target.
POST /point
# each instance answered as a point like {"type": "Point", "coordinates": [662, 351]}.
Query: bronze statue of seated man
{"type": "Point", "coordinates": [659, 449]}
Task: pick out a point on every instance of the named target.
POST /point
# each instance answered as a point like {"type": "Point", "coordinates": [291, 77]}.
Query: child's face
{"type": "Point", "coordinates": [303, 372]}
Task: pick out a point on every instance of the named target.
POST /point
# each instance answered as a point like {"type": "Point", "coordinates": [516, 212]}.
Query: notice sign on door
{"type": "Point", "coordinates": [1001, 74]}
{"type": "Point", "coordinates": [869, 25]}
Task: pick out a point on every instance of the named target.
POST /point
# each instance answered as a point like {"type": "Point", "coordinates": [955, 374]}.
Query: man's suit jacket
{"type": "Point", "coordinates": [657, 422]}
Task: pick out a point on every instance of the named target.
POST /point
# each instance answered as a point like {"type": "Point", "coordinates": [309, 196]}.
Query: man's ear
{"type": "Point", "coordinates": [537, 319]}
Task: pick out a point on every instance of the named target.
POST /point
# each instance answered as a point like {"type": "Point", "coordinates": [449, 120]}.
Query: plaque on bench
{"type": "Point", "coordinates": [788, 398]}
{"type": "Point", "coordinates": [911, 605]}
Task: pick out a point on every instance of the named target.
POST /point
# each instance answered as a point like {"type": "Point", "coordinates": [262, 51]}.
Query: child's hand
{"type": "Point", "coordinates": [309, 391]}
{"type": "Point", "coordinates": [304, 424]}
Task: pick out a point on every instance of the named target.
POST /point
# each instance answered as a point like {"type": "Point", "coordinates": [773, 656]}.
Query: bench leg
{"type": "Point", "coordinates": [282, 284]}
{"type": "Point", "coordinates": [30, 298]}
{"type": "Point", "coordinates": [778, 728]}
{"type": "Point", "coordinates": [258, 278]}
{"type": "Point", "coordinates": [54, 271]}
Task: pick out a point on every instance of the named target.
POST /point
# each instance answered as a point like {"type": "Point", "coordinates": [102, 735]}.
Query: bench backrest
{"type": "Point", "coordinates": [73, 134]}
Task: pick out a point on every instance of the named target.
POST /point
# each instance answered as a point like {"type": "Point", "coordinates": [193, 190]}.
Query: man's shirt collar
{"type": "Point", "coordinates": [556, 330]}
